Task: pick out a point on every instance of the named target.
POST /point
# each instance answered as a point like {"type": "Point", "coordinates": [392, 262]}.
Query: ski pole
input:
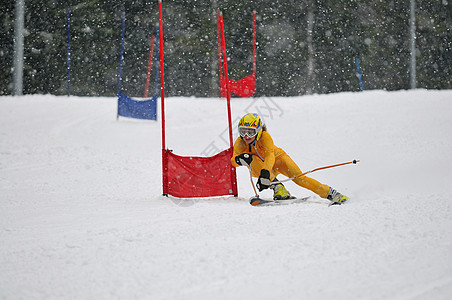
{"type": "Point", "coordinates": [318, 169]}
{"type": "Point", "coordinates": [252, 183]}
{"type": "Point", "coordinates": [251, 175]}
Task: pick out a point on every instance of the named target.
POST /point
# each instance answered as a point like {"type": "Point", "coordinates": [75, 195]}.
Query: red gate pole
{"type": "Point", "coordinates": [226, 76]}
{"type": "Point", "coordinates": [231, 143]}
{"type": "Point", "coordinates": [162, 98]}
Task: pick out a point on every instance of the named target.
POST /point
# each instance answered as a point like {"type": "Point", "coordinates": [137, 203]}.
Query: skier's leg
{"type": "Point", "coordinates": [286, 166]}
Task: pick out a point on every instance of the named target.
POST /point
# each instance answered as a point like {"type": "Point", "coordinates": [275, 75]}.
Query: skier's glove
{"type": "Point", "coordinates": [244, 159]}
{"type": "Point", "coordinates": [264, 180]}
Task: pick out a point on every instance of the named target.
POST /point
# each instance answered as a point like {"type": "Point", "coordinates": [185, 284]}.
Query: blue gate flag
{"type": "Point", "coordinates": [138, 109]}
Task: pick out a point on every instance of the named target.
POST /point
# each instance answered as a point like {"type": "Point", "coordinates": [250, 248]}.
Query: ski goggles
{"type": "Point", "coordinates": [247, 131]}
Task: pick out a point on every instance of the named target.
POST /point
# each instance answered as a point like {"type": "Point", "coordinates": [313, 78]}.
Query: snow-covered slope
{"type": "Point", "coordinates": [82, 216]}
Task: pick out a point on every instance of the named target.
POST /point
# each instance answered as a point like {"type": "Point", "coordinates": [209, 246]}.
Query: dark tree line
{"type": "Point", "coordinates": [303, 46]}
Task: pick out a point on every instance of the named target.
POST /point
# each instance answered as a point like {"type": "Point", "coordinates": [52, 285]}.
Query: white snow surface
{"type": "Point", "coordinates": [82, 216]}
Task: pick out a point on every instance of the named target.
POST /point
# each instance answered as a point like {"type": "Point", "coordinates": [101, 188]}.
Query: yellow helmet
{"type": "Point", "coordinates": [251, 125]}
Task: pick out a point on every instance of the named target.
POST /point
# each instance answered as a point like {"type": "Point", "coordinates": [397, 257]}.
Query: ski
{"type": "Point", "coordinates": [336, 203]}
{"type": "Point", "coordinates": [256, 201]}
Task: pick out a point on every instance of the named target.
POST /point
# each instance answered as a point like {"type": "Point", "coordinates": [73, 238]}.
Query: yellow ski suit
{"type": "Point", "coordinates": [267, 156]}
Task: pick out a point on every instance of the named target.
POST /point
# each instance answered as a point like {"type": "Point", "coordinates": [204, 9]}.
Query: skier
{"type": "Point", "coordinates": [269, 161]}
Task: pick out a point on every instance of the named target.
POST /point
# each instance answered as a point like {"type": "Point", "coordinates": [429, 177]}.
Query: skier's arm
{"type": "Point", "coordinates": [237, 151]}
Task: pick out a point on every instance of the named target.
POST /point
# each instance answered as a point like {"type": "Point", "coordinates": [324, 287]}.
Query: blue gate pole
{"type": "Point", "coordinates": [359, 74]}
{"type": "Point", "coordinates": [120, 58]}
{"type": "Point", "coordinates": [68, 52]}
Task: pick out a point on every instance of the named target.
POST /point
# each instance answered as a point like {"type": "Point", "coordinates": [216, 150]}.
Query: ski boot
{"type": "Point", "coordinates": [280, 192]}
{"type": "Point", "coordinates": [335, 197]}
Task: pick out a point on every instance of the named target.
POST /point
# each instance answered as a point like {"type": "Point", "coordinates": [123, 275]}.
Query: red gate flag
{"type": "Point", "coordinates": [245, 87]}
{"type": "Point", "coordinates": [189, 177]}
